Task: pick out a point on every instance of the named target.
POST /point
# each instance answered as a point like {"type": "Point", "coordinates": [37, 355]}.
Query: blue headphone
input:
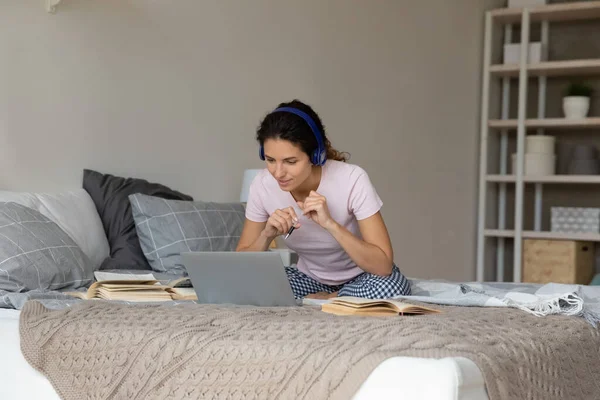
{"type": "Point", "coordinates": [320, 154]}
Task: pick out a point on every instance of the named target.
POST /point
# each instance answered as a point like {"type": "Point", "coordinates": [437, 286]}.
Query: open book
{"type": "Point", "coordinates": [347, 305]}
{"type": "Point", "coordinates": [136, 288]}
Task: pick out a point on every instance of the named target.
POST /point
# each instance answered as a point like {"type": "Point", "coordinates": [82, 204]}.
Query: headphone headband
{"type": "Point", "coordinates": [320, 154]}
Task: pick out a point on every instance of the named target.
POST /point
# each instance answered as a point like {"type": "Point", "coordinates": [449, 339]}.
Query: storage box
{"type": "Point", "coordinates": [536, 164]}
{"type": "Point", "coordinates": [525, 3]}
{"type": "Point", "coordinates": [541, 144]}
{"type": "Point", "coordinates": [558, 261]}
{"type": "Point", "coordinates": [512, 53]}
{"type": "Point", "coordinates": [575, 219]}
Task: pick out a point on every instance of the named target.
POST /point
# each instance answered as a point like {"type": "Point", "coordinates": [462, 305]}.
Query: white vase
{"type": "Point", "coordinates": [576, 107]}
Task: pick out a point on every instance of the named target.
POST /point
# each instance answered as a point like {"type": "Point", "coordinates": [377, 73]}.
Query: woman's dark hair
{"type": "Point", "coordinates": [291, 127]}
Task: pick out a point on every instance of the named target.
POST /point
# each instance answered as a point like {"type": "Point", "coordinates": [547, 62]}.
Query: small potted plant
{"type": "Point", "coordinates": [576, 103]}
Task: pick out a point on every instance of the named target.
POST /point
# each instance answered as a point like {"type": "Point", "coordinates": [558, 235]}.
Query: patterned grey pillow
{"type": "Point", "coordinates": [35, 253]}
{"type": "Point", "coordinates": [167, 228]}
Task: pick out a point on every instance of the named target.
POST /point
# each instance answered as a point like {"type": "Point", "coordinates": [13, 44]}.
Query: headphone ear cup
{"type": "Point", "coordinates": [318, 157]}
{"type": "Point", "coordinates": [323, 157]}
{"type": "Point", "coordinates": [261, 153]}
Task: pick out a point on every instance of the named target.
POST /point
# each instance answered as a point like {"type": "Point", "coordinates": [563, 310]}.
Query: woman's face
{"type": "Point", "coordinates": [288, 164]}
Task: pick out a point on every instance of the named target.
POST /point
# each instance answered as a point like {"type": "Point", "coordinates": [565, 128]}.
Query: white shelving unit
{"type": "Point", "coordinates": [504, 20]}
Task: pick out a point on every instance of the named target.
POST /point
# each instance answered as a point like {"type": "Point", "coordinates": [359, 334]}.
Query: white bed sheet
{"type": "Point", "coordinates": [453, 378]}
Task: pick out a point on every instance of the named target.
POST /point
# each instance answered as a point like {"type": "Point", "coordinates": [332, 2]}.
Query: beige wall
{"type": "Point", "coordinates": [172, 92]}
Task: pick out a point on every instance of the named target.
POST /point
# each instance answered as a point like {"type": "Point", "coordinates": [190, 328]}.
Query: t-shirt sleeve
{"type": "Point", "coordinates": [364, 200]}
{"type": "Point", "coordinates": [255, 210]}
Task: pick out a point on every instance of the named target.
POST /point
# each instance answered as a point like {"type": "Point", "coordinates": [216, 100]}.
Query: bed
{"type": "Point", "coordinates": [108, 349]}
{"type": "Point", "coordinates": [489, 343]}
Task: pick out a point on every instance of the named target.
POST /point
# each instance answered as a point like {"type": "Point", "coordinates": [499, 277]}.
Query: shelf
{"type": "Point", "coordinates": [547, 178]}
{"type": "Point", "coordinates": [547, 123]}
{"type": "Point", "coordinates": [553, 12]}
{"type": "Point", "coordinates": [501, 178]}
{"type": "Point", "coordinates": [592, 237]}
{"type": "Point", "coordinates": [500, 94]}
{"type": "Point", "coordinates": [499, 233]}
{"type": "Point", "coordinates": [550, 68]}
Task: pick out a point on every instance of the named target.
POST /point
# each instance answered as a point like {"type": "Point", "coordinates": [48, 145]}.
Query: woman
{"type": "Point", "coordinates": [339, 234]}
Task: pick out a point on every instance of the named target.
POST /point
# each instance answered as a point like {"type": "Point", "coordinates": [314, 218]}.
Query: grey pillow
{"type": "Point", "coordinates": [167, 228]}
{"type": "Point", "coordinates": [110, 195]}
{"type": "Point", "coordinates": [35, 253]}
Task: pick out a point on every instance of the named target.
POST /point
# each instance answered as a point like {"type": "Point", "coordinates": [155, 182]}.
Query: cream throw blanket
{"type": "Point", "coordinates": [105, 350]}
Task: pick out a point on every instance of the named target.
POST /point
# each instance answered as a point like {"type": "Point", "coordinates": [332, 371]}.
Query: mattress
{"type": "Point", "coordinates": [452, 378]}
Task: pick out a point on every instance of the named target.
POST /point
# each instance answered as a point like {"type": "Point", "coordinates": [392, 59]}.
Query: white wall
{"type": "Point", "coordinates": [172, 92]}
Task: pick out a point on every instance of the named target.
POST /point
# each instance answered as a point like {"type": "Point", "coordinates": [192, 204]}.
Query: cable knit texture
{"type": "Point", "coordinates": [104, 350]}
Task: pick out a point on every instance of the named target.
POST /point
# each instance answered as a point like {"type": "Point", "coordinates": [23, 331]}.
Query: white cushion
{"type": "Point", "coordinates": [75, 212]}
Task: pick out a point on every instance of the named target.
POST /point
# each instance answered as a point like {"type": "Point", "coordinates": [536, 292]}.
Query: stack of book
{"type": "Point", "coordinates": [139, 288]}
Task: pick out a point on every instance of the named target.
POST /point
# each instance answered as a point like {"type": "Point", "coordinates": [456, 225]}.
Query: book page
{"type": "Point", "coordinates": [315, 302]}
{"type": "Point", "coordinates": [125, 286]}
{"type": "Point", "coordinates": [358, 300]}
{"type": "Point", "coordinates": [398, 304]}
{"type": "Point", "coordinates": [185, 293]}
{"type": "Point", "coordinates": [115, 276]}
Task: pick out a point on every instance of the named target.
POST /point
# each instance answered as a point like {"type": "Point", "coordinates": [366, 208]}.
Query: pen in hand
{"type": "Point", "coordinates": [295, 222]}
{"type": "Point", "coordinates": [290, 231]}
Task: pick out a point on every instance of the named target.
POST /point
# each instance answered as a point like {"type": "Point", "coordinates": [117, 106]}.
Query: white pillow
{"type": "Point", "coordinates": [75, 212]}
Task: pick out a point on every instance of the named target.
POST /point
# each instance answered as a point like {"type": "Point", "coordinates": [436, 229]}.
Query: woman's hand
{"type": "Point", "coordinates": [315, 208]}
{"type": "Point", "coordinates": [280, 222]}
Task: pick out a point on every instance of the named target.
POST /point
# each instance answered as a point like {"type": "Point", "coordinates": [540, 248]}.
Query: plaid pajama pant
{"type": "Point", "coordinates": [364, 285]}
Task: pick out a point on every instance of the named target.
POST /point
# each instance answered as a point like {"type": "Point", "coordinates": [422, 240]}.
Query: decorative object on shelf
{"type": "Point", "coordinates": [564, 152]}
{"type": "Point", "coordinates": [540, 144]}
{"type": "Point", "coordinates": [576, 103]}
{"type": "Point", "coordinates": [539, 156]}
{"type": "Point", "coordinates": [577, 159]}
{"type": "Point", "coordinates": [512, 53]}
{"type": "Point", "coordinates": [584, 152]}
{"type": "Point", "coordinates": [584, 160]}
{"type": "Point", "coordinates": [558, 261]}
{"type": "Point", "coordinates": [525, 3]}
{"type": "Point", "coordinates": [575, 219]}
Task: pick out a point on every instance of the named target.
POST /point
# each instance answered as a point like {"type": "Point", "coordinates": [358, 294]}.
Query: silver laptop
{"type": "Point", "coordinates": [243, 278]}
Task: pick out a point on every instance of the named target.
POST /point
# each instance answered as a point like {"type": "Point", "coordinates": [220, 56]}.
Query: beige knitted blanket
{"type": "Point", "coordinates": [103, 350]}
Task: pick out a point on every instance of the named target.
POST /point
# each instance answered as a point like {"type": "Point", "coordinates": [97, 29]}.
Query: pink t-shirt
{"type": "Point", "coordinates": [350, 197]}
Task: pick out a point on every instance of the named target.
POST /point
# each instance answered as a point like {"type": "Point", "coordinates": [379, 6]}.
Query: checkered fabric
{"type": "Point", "coordinates": [364, 285]}
{"type": "Point", "coordinates": [303, 284]}
{"type": "Point", "coordinates": [167, 228]}
{"type": "Point", "coordinates": [36, 254]}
